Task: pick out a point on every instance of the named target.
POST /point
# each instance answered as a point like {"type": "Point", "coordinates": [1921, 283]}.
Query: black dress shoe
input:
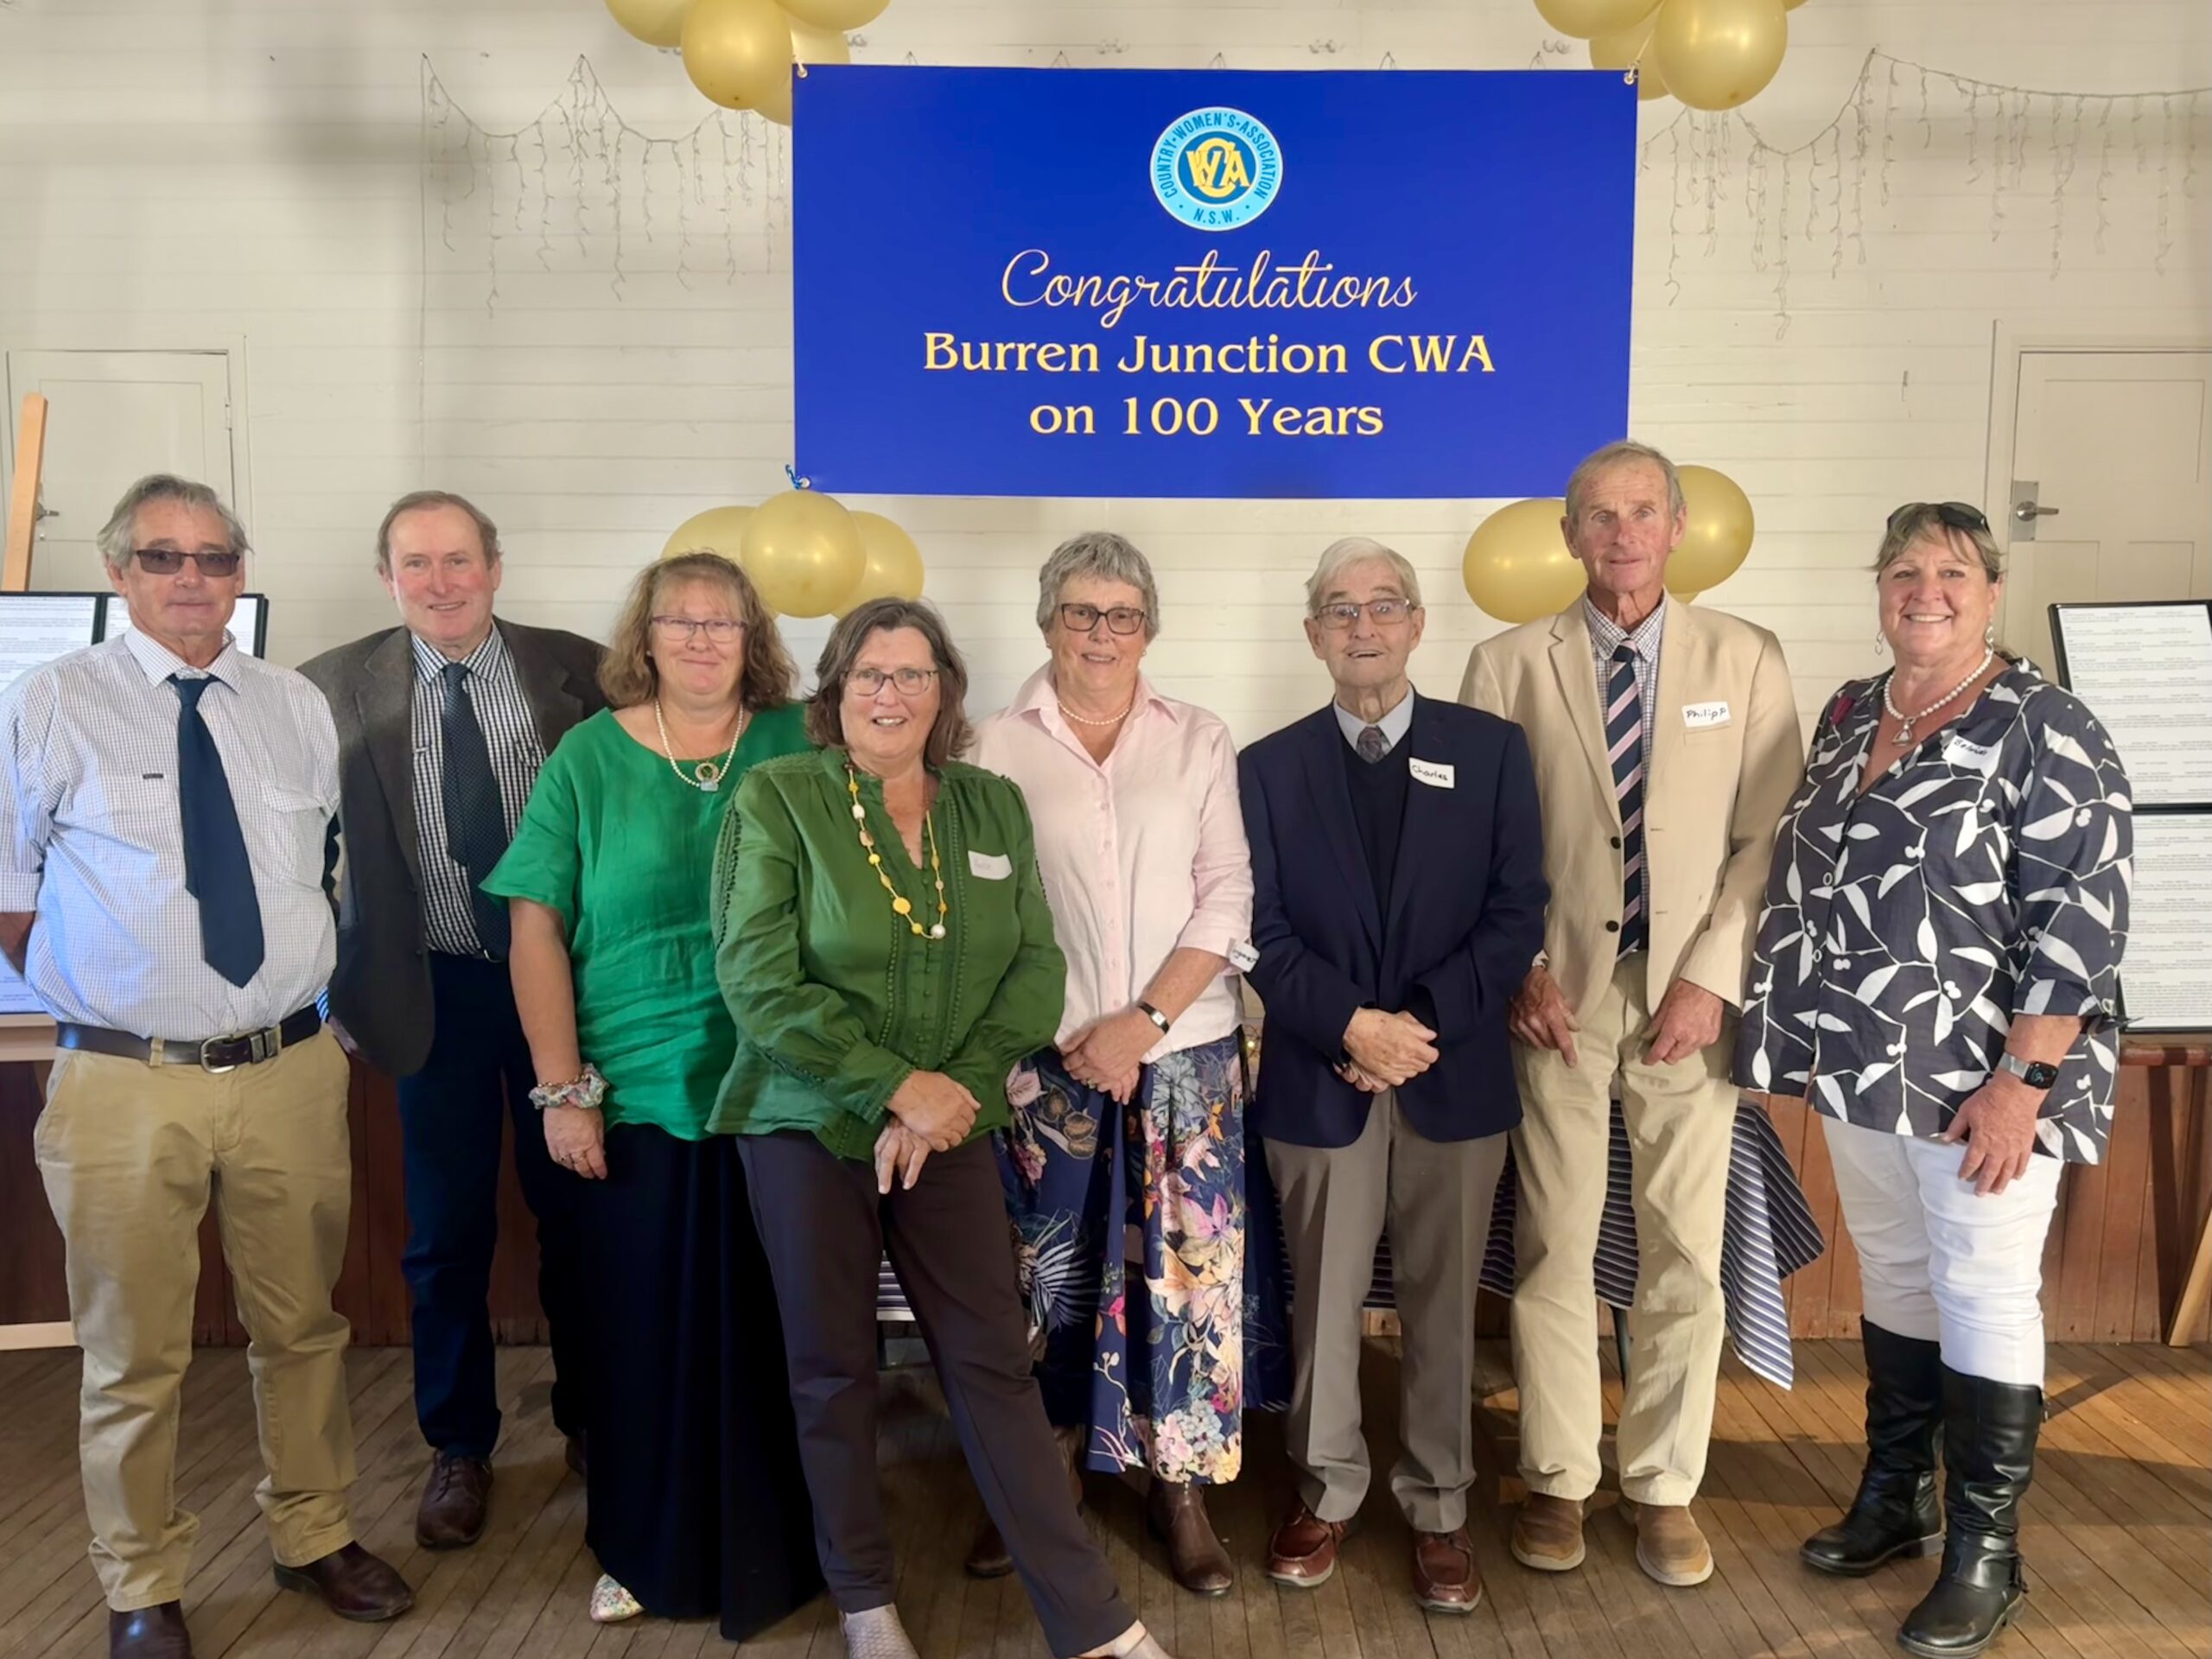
{"type": "Point", "coordinates": [576, 1455]}
{"type": "Point", "coordinates": [456, 1499]}
{"type": "Point", "coordinates": [155, 1632]}
{"type": "Point", "coordinates": [354, 1583]}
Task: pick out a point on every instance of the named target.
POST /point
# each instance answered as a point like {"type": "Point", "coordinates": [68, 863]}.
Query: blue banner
{"type": "Point", "coordinates": [1209, 282]}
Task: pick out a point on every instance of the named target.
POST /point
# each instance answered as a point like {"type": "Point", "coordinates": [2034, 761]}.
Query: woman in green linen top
{"type": "Point", "coordinates": [697, 1503]}
{"type": "Point", "coordinates": [886, 952]}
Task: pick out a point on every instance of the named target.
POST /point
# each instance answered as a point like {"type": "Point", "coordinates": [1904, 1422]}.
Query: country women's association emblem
{"type": "Point", "coordinates": [1217, 169]}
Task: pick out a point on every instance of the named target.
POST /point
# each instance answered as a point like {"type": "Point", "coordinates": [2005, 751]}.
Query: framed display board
{"type": "Point", "coordinates": [35, 629]}
{"type": "Point", "coordinates": [249, 623]}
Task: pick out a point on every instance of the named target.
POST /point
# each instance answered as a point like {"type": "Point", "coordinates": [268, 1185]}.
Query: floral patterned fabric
{"type": "Point", "coordinates": [1984, 876]}
{"type": "Point", "coordinates": [1148, 1249]}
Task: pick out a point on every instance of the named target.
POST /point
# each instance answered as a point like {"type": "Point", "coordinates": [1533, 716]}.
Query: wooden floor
{"type": "Point", "coordinates": [2119, 1541]}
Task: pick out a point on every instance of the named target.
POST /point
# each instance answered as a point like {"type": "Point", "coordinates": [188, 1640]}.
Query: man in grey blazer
{"type": "Point", "coordinates": [443, 723]}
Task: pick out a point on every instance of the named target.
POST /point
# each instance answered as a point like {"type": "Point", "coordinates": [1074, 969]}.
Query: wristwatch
{"type": "Point", "coordinates": [2034, 1073]}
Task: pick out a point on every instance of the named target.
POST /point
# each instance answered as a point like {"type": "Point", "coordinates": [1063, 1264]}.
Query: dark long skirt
{"type": "Point", "coordinates": [698, 1503]}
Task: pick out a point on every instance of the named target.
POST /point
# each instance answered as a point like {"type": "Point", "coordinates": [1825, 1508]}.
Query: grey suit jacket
{"type": "Point", "coordinates": [381, 990]}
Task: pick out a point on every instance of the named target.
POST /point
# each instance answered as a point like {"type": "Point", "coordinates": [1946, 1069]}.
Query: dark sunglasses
{"type": "Point", "coordinates": [168, 560]}
{"type": "Point", "coordinates": [1959, 515]}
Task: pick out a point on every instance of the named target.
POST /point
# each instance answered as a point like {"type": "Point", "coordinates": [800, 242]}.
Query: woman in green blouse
{"type": "Point", "coordinates": [883, 942]}
{"type": "Point", "coordinates": [697, 1502]}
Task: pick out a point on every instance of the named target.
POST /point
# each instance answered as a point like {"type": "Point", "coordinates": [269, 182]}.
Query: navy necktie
{"type": "Point", "coordinates": [476, 822]}
{"type": "Point", "coordinates": [1625, 746]}
{"type": "Point", "coordinates": [217, 871]}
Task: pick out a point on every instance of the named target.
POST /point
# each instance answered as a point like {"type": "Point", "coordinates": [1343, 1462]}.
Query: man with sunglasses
{"type": "Point", "coordinates": [443, 723]}
{"type": "Point", "coordinates": [165, 888]}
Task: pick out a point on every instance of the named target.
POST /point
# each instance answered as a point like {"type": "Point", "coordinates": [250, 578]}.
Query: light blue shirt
{"type": "Point", "coordinates": [1394, 724]}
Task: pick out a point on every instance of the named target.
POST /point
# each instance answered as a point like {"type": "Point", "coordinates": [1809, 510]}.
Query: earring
{"type": "Point", "coordinates": [1989, 636]}
{"type": "Point", "coordinates": [1881, 643]}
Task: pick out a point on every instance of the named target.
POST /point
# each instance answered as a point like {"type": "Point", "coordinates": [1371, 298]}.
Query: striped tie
{"type": "Point", "coordinates": [1624, 747]}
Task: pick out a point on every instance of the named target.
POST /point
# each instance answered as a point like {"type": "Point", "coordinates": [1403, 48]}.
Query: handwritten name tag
{"type": "Point", "coordinates": [990, 867]}
{"type": "Point", "coordinates": [1435, 774]}
{"type": "Point", "coordinates": [1703, 716]}
{"type": "Point", "coordinates": [1973, 757]}
{"type": "Point", "coordinates": [1242, 957]}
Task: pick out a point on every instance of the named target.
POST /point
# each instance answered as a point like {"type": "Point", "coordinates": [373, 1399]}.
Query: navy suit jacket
{"type": "Point", "coordinates": [1465, 919]}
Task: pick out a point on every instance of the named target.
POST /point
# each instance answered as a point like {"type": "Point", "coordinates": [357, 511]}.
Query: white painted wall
{"type": "Point", "coordinates": [252, 174]}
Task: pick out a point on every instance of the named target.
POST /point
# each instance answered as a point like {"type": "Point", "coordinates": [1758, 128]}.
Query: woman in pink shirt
{"type": "Point", "coordinates": [1132, 1125]}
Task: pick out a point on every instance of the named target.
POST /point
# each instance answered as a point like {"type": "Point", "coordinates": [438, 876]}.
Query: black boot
{"type": "Point", "coordinates": [1896, 1512]}
{"type": "Point", "coordinates": [1989, 1457]}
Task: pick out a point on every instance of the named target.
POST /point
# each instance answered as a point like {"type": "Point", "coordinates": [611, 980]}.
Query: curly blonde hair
{"type": "Point", "coordinates": [626, 673]}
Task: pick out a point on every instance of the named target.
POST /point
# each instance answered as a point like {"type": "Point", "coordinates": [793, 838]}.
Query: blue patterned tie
{"type": "Point", "coordinates": [1624, 747]}
{"type": "Point", "coordinates": [217, 871]}
{"type": "Point", "coordinates": [476, 822]}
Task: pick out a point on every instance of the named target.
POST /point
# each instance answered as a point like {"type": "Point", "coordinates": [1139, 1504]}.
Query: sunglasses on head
{"type": "Point", "coordinates": [1959, 515]}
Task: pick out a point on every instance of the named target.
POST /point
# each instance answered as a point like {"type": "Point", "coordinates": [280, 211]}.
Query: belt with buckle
{"type": "Point", "coordinates": [213, 1054]}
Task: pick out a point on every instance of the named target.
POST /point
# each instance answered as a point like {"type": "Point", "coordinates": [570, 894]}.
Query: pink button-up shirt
{"type": "Point", "coordinates": [1142, 856]}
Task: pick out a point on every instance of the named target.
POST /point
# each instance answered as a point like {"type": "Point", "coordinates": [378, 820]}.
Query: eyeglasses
{"type": "Point", "coordinates": [168, 560]}
{"type": "Point", "coordinates": [1383, 613]}
{"type": "Point", "coordinates": [1959, 515]}
{"type": "Point", "coordinates": [1122, 619]}
{"type": "Point", "coordinates": [719, 630]}
{"type": "Point", "coordinates": [908, 681]}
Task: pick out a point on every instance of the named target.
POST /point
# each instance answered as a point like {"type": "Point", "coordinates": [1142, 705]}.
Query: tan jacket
{"type": "Point", "coordinates": [1725, 756]}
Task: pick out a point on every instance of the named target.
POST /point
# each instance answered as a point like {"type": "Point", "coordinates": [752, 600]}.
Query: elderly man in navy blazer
{"type": "Point", "coordinates": [1397, 861]}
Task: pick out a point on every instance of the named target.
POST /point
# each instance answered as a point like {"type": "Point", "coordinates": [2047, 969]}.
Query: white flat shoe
{"type": "Point", "coordinates": [877, 1634]}
{"type": "Point", "coordinates": [611, 1604]}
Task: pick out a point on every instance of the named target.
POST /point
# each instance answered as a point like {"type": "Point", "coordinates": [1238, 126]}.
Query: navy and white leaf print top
{"type": "Point", "coordinates": [1985, 875]}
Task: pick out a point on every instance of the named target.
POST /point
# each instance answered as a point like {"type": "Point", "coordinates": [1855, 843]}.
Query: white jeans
{"type": "Point", "coordinates": [1940, 1262]}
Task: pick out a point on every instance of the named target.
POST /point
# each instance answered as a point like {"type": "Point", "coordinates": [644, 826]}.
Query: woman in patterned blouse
{"type": "Point", "coordinates": [1935, 973]}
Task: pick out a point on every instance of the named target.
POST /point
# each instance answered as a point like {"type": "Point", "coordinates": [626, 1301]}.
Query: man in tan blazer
{"type": "Point", "coordinates": [1666, 744]}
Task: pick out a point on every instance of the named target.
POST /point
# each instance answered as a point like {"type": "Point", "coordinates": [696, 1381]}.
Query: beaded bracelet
{"type": "Point", "coordinates": [586, 1091]}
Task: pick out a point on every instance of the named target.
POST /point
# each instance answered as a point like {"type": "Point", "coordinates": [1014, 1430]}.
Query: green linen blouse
{"type": "Point", "coordinates": [621, 850]}
{"type": "Point", "coordinates": [834, 999]}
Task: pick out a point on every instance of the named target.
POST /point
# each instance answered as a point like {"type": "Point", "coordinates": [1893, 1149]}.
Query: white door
{"type": "Point", "coordinates": [116, 416]}
{"type": "Point", "coordinates": [2119, 447]}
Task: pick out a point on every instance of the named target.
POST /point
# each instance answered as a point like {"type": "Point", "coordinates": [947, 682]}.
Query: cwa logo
{"type": "Point", "coordinates": [1217, 169]}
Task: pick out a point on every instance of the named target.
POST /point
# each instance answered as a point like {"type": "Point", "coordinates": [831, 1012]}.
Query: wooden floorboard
{"type": "Point", "coordinates": [2119, 1539]}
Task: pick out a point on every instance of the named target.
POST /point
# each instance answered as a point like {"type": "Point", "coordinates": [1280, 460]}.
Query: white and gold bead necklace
{"type": "Point", "coordinates": [899, 903]}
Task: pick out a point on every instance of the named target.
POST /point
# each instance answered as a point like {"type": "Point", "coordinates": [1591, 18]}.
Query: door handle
{"type": "Point", "coordinates": [2027, 512]}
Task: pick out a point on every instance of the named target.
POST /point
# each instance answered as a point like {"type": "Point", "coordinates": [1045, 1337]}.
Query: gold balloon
{"type": "Point", "coordinates": [1718, 535]}
{"type": "Point", "coordinates": [1518, 566]}
{"type": "Point", "coordinates": [812, 45]}
{"type": "Point", "coordinates": [1791, 5]}
{"type": "Point", "coordinates": [1586, 18]}
{"type": "Point", "coordinates": [1714, 54]}
{"type": "Point", "coordinates": [1617, 48]}
{"type": "Point", "coordinates": [835, 13]}
{"type": "Point", "coordinates": [893, 566]}
{"type": "Point", "coordinates": [718, 530]}
{"type": "Point", "coordinates": [739, 53]}
{"type": "Point", "coordinates": [657, 23]}
{"type": "Point", "coordinates": [803, 553]}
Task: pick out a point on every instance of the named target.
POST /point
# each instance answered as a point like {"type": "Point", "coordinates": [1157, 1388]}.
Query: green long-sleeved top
{"type": "Point", "coordinates": [835, 1001]}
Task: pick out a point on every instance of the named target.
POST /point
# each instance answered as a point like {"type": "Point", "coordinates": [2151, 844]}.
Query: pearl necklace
{"type": "Point", "coordinates": [705, 775]}
{"type": "Point", "coordinates": [902, 906]}
{"type": "Point", "coordinates": [1110, 720]}
{"type": "Point", "coordinates": [1906, 722]}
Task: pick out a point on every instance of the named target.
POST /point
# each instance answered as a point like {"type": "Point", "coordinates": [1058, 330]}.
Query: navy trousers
{"type": "Point", "coordinates": [451, 1112]}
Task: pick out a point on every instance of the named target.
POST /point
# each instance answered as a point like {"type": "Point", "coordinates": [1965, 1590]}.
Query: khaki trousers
{"type": "Point", "coordinates": [130, 1153]}
{"type": "Point", "coordinates": [1434, 1197]}
{"type": "Point", "coordinates": [1680, 1125]}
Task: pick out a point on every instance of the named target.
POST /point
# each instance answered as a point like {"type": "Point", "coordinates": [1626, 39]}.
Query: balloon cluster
{"type": "Point", "coordinates": [740, 53]}
{"type": "Point", "coordinates": [806, 554]}
{"type": "Point", "coordinates": [1712, 55]}
{"type": "Point", "coordinates": [1518, 566]}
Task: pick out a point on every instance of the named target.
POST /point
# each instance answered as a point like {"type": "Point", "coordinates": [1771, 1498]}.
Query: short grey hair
{"type": "Point", "coordinates": [1923, 522]}
{"type": "Point", "coordinates": [1101, 554]}
{"type": "Point", "coordinates": [1344, 552]}
{"type": "Point", "coordinates": [1612, 454]}
{"type": "Point", "coordinates": [115, 536]}
{"type": "Point", "coordinates": [422, 501]}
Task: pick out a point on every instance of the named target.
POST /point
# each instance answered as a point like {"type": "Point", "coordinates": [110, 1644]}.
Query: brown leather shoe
{"type": "Point", "coordinates": [156, 1632]}
{"type": "Point", "coordinates": [1548, 1533]}
{"type": "Point", "coordinates": [1446, 1579]}
{"type": "Point", "coordinates": [1669, 1546]}
{"type": "Point", "coordinates": [354, 1583]}
{"type": "Point", "coordinates": [1303, 1552]}
{"type": "Point", "coordinates": [1176, 1512]}
{"type": "Point", "coordinates": [455, 1500]}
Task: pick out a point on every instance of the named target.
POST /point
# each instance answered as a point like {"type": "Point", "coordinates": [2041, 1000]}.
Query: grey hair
{"type": "Point", "coordinates": [1923, 521]}
{"type": "Point", "coordinates": [1612, 455]}
{"type": "Point", "coordinates": [422, 500]}
{"type": "Point", "coordinates": [1345, 551]}
{"type": "Point", "coordinates": [115, 538]}
{"type": "Point", "coordinates": [1102, 554]}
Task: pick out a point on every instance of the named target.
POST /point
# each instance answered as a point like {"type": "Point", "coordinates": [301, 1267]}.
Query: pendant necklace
{"type": "Point", "coordinates": [1906, 722]}
{"type": "Point", "coordinates": [705, 775]}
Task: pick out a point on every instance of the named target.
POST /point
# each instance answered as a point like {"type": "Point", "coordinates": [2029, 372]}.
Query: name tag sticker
{"type": "Point", "coordinates": [990, 867]}
{"type": "Point", "coordinates": [1435, 774]}
{"type": "Point", "coordinates": [1701, 717]}
{"type": "Point", "coordinates": [1973, 757]}
{"type": "Point", "coordinates": [1242, 957]}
